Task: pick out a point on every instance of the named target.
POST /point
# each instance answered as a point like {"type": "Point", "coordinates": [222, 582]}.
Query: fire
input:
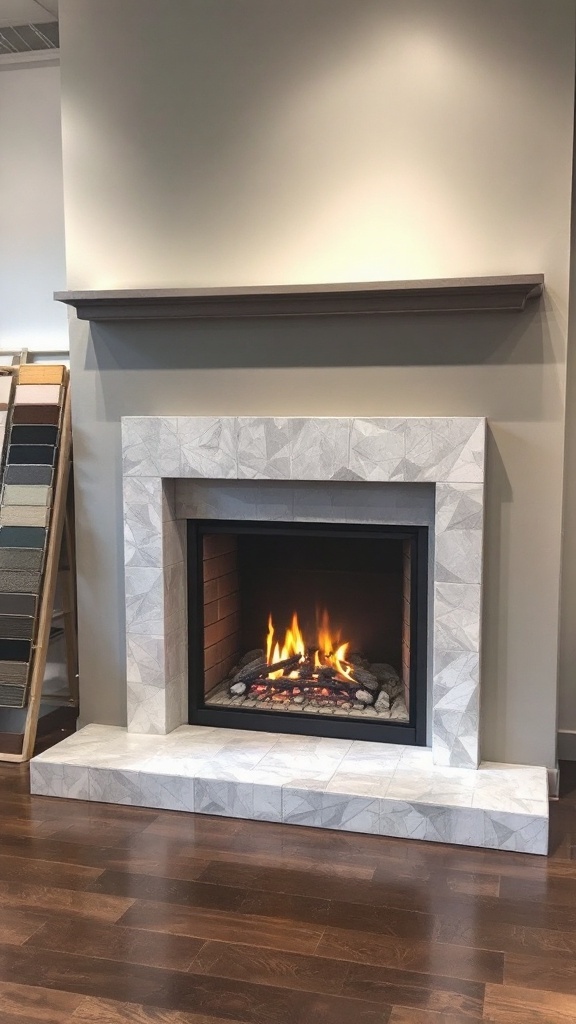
{"type": "Point", "coordinates": [327, 652]}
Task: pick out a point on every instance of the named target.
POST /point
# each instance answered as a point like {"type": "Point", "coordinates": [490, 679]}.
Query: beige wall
{"type": "Point", "coordinates": [240, 141]}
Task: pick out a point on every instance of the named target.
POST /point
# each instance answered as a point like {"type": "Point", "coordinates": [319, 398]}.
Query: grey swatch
{"type": "Point", "coordinates": [22, 537]}
{"type": "Point", "coordinates": [13, 672]}
{"type": "Point", "coordinates": [20, 582]}
{"type": "Point", "coordinates": [28, 474]}
{"type": "Point", "coordinates": [16, 627]}
{"type": "Point", "coordinates": [21, 558]}
{"type": "Point", "coordinates": [17, 604]}
{"type": "Point", "coordinates": [12, 696]}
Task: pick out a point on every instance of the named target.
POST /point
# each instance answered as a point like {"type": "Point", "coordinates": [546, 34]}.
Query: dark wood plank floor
{"type": "Point", "coordinates": [115, 915]}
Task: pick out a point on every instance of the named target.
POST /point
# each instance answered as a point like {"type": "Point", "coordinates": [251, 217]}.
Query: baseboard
{"type": "Point", "coordinates": [567, 744]}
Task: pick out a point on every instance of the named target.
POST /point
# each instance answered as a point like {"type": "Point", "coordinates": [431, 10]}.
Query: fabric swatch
{"type": "Point", "coordinates": [22, 537]}
{"type": "Point", "coordinates": [38, 394]}
{"type": "Point", "coordinates": [17, 604]}
{"type": "Point", "coordinates": [13, 672]}
{"type": "Point", "coordinates": [28, 474]}
{"type": "Point", "coordinates": [24, 515]}
{"type": "Point", "coordinates": [15, 650]}
{"type": "Point", "coordinates": [16, 626]}
{"type": "Point", "coordinates": [38, 373]}
{"type": "Point", "coordinates": [11, 695]}
{"type": "Point", "coordinates": [35, 434]}
{"type": "Point", "coordinates": [33, 494]}
{"type": "Point", "coordinates": [36, 414]}
{"type": "Point", "coordinates": [23, 581]}
{"type": "Point", "coordinates": [21, 558]}
{"type": "Point", "coordinates": [37, 454]}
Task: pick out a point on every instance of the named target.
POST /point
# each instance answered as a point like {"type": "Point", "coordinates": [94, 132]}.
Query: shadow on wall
{"type": "Point", "coordinates": [354, 341]}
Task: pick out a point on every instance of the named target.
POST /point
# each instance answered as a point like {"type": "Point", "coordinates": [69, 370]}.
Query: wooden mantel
{"type": "Point", "coordinates": [450, 295]}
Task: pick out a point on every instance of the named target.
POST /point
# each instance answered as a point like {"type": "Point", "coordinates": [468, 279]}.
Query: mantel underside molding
{"type": "Point", "coordinates": [449, 295]}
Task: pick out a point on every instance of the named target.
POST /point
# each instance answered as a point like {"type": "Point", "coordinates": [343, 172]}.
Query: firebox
{"type": "Point", "coordinates": [309, 628]}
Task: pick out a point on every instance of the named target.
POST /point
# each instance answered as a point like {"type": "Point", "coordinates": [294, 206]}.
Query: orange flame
{"type": "Point", "coordinates": [329, 651]}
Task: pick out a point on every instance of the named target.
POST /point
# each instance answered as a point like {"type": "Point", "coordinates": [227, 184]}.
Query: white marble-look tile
{"type": "Point", "coordinates": [174, 595]}
{"type": "Point", "coordinates": [115, 786]}
{"type": "Point", "coordinates": [448, 788]}
{"type": "Point", "coordinates": [319, 448]}
{"type": "Point", "coordinates": [150, 446]}
{"type": "Point", "coordinates": [520, 833]}
{"type": "Point", "coordinates": [144, 601]}
{"type": "Point", "coordinates": [142, 521]}
{"type": "Point", "coordinates": [456, 738]}
{"type": "Point", "coordinates": [456, 680]}
{"type": "Point", "coordinates": [445, 449]}
{"type": "Point", "coordinates": [344, 812]}
{"type": "Point", "coordinates": [146, 659]}
{"type": "Point", "coordinates": [62, 780]}
{"type": "Point", "coordinates": [378, 449]}
{"type": "Point", "coordinates": [233, 799]}
{"type": "Point", "coordinates": [208, 446]}
{"type": "Point", "coordinates": [146, 708]}
{"type": "Point", "coordinates": [263, 448]}
{"type": "Point", "coordinates": [174, 542]}
{"type": "Point", "coordinates": [167, 792]}
{"type": "Point", "coordinates": [457, 617]}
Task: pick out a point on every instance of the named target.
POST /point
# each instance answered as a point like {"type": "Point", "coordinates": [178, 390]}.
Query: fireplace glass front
{"type": "Point", "coordinates": [309, 628]}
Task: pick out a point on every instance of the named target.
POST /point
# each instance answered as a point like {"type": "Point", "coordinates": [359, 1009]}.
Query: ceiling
{"type": "Point", "coordinates": [27, 12]}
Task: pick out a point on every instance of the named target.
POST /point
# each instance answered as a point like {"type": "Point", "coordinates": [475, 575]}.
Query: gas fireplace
{"type": "Point", "coordinates": [309, 628]}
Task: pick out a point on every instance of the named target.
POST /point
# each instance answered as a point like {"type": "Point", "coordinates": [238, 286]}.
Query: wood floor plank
{"type": "Point", "coordinates": [404, 1015]}
{"type": "Point", "coordinates": [558, 974]}
{"type": "Point", "coordinates": [272, 967]}
{"type": "Point", "coordinates": [506, 938]}
{"type": "Point", "coordinates": [45, 848]}
{"type": "Point", "coordinates": [16, 926]}
{"type": "Point", "coordinates": [108, 1011]}
{"type": "Point", "coordinates": [415, 990]}
{"type": "Point", "coordinates": [189, 993]}
{"type": "Point", "coordinates": [506, 1004]}
{"type": "Point", "coordinates": [293, 936]}
{"type": "Point", "coordinates": [24, 1004]}
{"type": "Point", "coordinates": [112, 942]}
{"type": "Point", "coordinates": [71, 902]}
{"type": "Point", "coordinates": [38, 872]}
{"type": "Point", "coordinates": [410, 954]}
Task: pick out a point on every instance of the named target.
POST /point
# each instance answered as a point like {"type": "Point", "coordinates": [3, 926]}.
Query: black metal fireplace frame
{"type": "Point", "coordinates": [412, 732]}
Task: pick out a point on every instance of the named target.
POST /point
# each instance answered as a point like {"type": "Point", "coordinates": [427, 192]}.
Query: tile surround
{"type": "Point", "coordinates": [346, 785]}
{"type": "Point", "coordinates": [445, 452]}
{"type": "Point", "coordinates": [180, 467]}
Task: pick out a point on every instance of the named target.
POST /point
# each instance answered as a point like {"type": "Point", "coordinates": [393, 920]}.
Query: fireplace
{"type": "Point", "coordinates": [309, 628]}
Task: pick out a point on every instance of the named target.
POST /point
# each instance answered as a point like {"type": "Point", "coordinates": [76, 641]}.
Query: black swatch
{"type": "Point", "coordinates": [26, 434]}
{"type": "Point", "coordinates": [39, 454]}
{"type": "Point", "coordinates": [15, 650]}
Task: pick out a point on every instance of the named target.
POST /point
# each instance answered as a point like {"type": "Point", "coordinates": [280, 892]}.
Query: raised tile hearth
{"type": "Point", "coordinates": [332, 470]}
{"type": "Point", "coordinates": [381, 789]}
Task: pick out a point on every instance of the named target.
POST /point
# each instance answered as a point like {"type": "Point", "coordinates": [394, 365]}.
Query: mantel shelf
{"type": "Point", "coordinates": [450, 295]}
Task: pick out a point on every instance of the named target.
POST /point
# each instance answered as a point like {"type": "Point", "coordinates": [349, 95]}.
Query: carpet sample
{"type": "Point", "coordinates": [11, 695]}
{"type": "Point", "coordinates": [36, 454]}
{"type": "Point", "coordinates": [24, 515]}
{"type": "Point", "coordinates": [28, 475]}
{"type": "Point", "coordinates": [38, 394]}
{"type": "Point", "coordinates": [21, 558]}
{"type": "Point", "coordinates": [22, 537]}
{"type": "Point", "coordinates": [33, 434]}
{"type": "Point", "coordinates": [13, 672]}
{"type": "Point", "coordinates": [21, 581]}
{"type": "Point", "coordinates": [36, 414]}
{"type": "Point", "coordinates": [23, 494]}
{"type": "Point", "coordinates": [17, 604]}
{"type": "Point", "coordinates": [16, 627]}
{"type": "Point", "coordinates": [38, 373]}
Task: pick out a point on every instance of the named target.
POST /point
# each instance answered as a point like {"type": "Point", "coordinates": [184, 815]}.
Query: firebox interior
{"type": "Point", "coordinates": [309, 628]}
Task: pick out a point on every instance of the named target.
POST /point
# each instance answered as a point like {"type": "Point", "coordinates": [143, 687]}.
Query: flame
{"type": "Point", "coordinates": [328, 651]}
